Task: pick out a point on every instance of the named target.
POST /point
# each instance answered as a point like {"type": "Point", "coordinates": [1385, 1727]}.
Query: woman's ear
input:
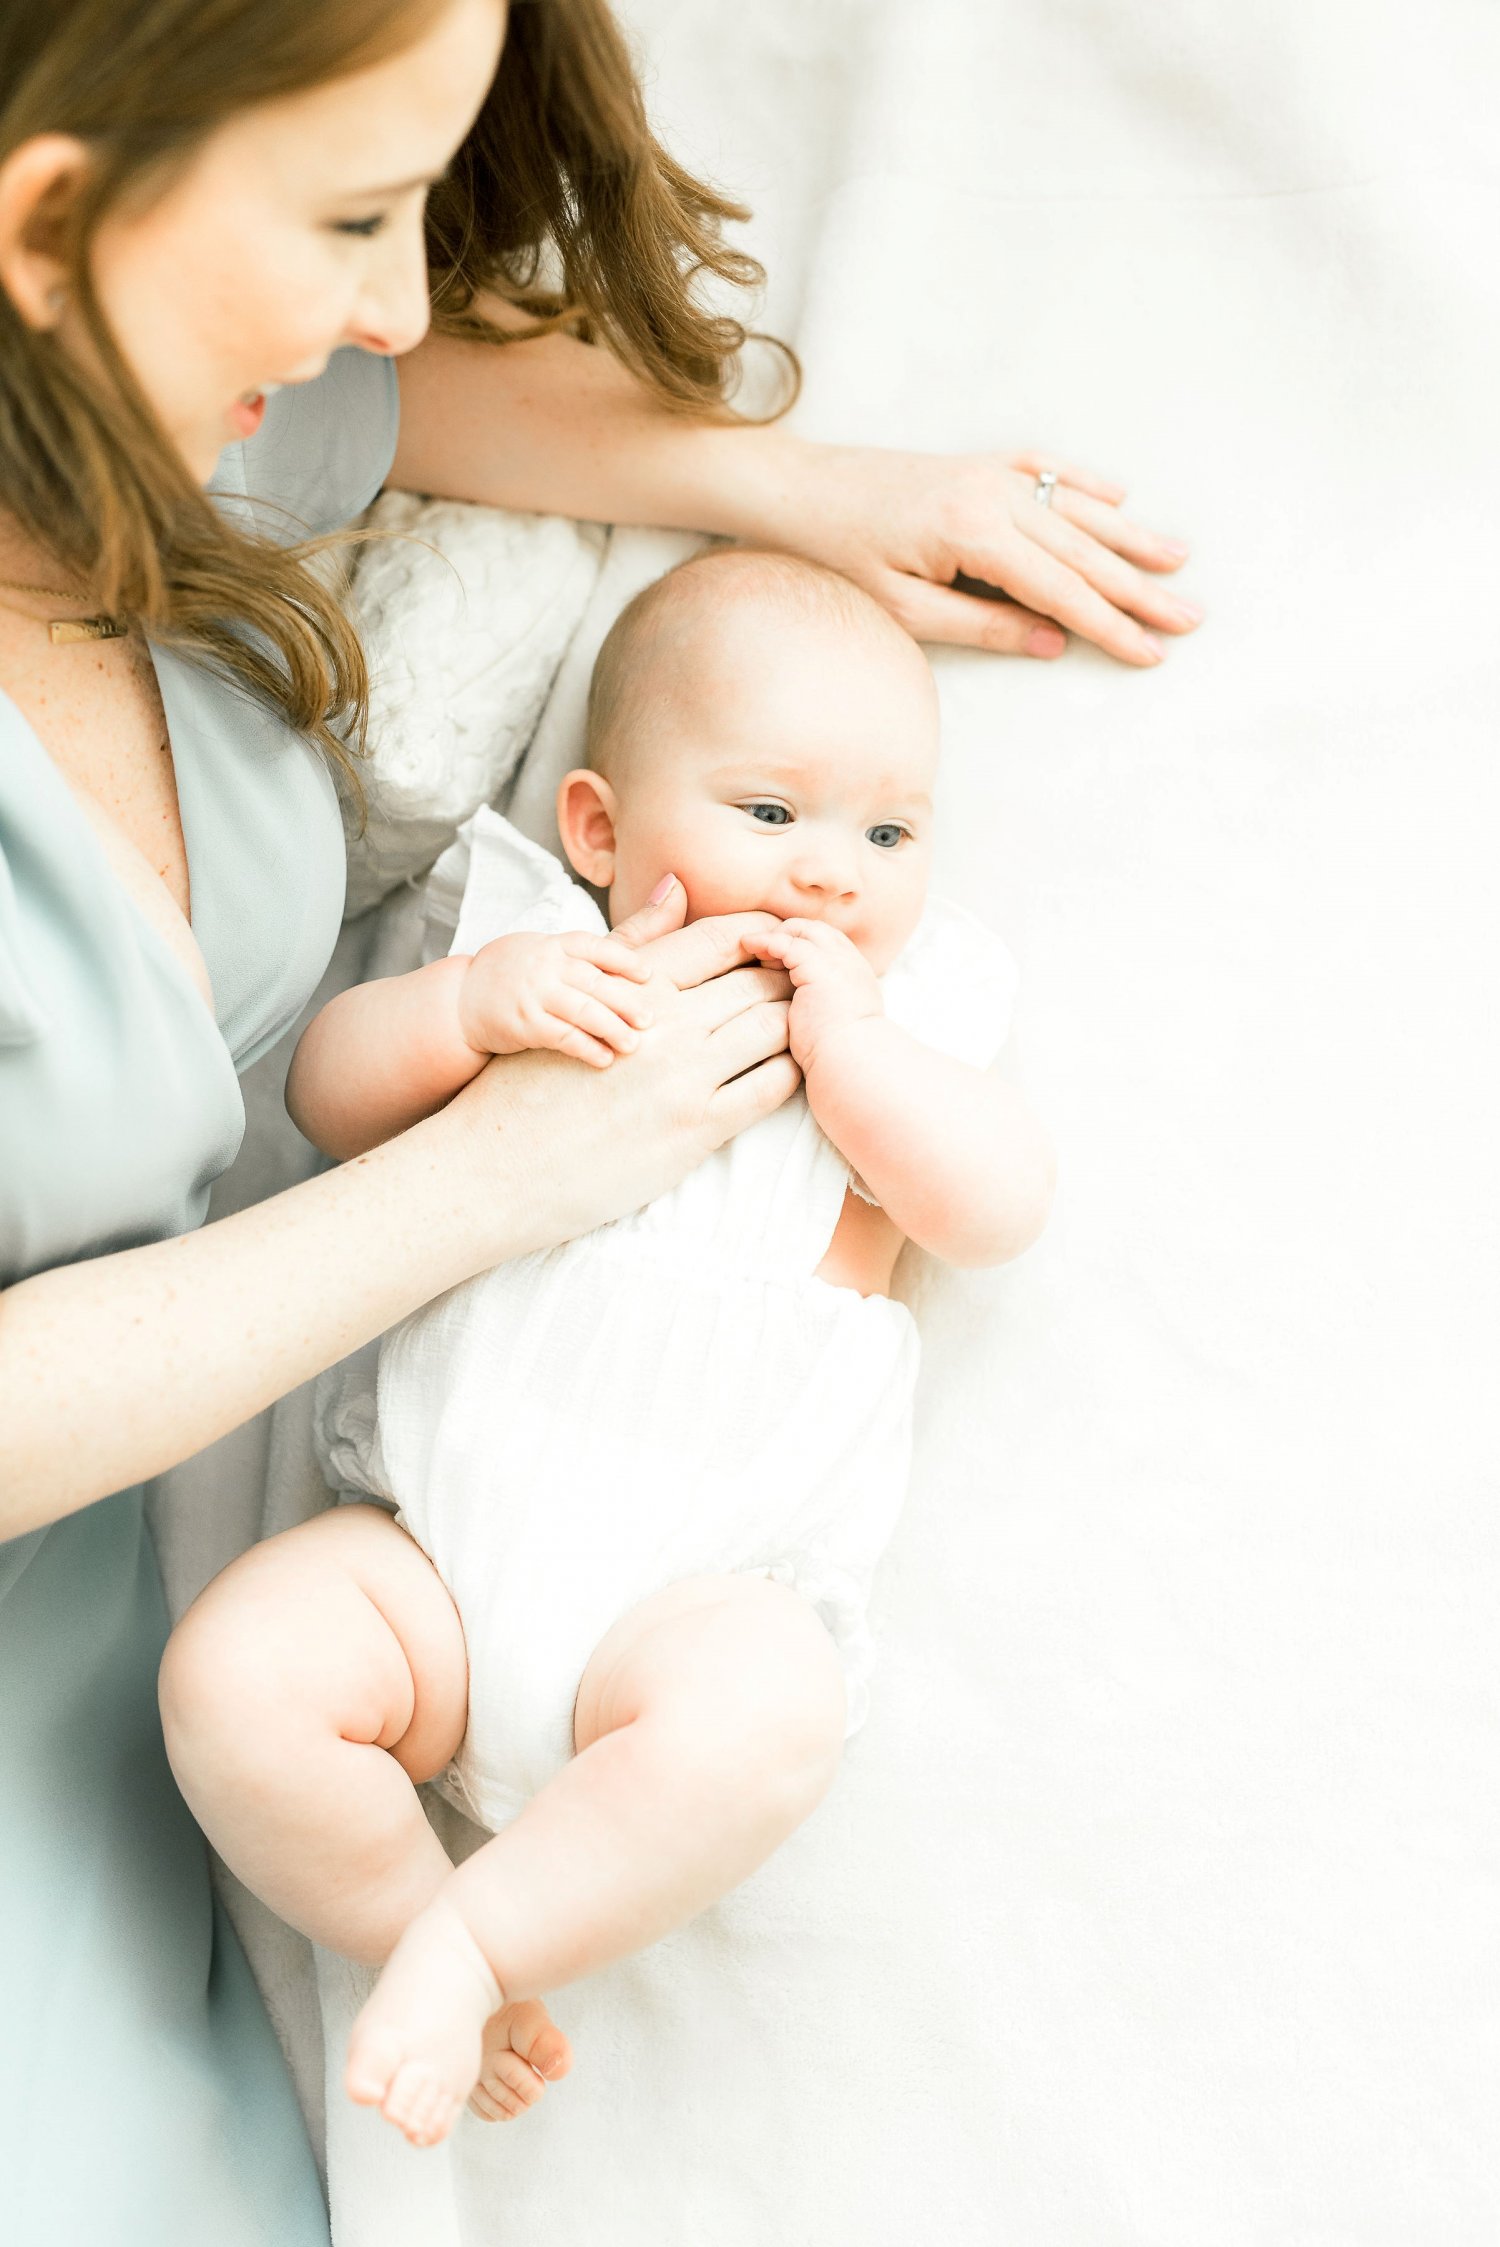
{"type": "Point", "coordinates": [586, 823]}
{"type": "Point", "coordinates": [38, 184]}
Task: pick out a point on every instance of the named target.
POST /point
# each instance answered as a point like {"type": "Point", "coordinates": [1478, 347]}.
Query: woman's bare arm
{"type": "Point", "coordinates": [113, 1369]}
{"type": "Point", "coordinates": [561, 427]}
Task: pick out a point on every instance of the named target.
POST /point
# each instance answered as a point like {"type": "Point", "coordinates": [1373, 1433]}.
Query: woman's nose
{"type": "Point", "coordinates": [394, 309]}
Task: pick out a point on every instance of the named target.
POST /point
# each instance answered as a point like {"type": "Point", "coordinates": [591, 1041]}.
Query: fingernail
{"type": "Point", "coordinates": [1174, 547]}
{"type": "Point", "coordinates": [1046, 640]}
{"type": "Point", "coordinates": [663, 890]}
{"type": "Point", "coordinates": [1188, 611]}
{"type": "Point", "coordinates": [1152, 648]}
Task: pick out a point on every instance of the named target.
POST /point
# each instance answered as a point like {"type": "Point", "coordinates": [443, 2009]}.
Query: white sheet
{"type": "Point", "coordinates": [1156, 1903]}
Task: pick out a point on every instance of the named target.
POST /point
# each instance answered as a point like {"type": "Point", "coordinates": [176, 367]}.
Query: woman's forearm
{"type": "Point", "coordinates": [561, 428]}
{"type": "Point", "coordinates": [114, 1369]}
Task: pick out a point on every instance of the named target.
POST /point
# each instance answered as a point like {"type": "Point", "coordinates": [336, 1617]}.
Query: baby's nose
{"type": "Point", "coordinates": [825, 871]}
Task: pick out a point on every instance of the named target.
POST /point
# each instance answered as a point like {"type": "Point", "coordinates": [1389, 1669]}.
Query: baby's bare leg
{"type": "Point", "coordinates": [708, 1727]}
{"type": "Point", "coordinates": [304, 1692]}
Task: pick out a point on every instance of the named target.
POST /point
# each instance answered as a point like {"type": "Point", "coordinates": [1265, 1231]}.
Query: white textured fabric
{"type": "Point", "coordinates": [465, 613]}
{"type": "Point", "coordinates": [676, 1394]}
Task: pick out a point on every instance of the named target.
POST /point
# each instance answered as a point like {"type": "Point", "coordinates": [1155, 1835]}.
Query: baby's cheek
{"type": "Point", "coordinates": [708, 897]}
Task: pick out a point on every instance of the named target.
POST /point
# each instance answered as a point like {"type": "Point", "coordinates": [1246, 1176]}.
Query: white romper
{"type": "Point", "coordinates": [674, 1394]}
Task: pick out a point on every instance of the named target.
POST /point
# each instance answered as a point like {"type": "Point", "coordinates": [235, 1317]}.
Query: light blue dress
{"type": "Point", "coordinates": [143, 2099]}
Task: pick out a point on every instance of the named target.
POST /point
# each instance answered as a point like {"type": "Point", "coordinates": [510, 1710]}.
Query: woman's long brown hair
{"type": "Point", "coordinates": [561, 167]}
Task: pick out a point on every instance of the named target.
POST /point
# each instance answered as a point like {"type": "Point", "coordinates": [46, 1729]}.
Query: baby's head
{"type": "Point", "coordinates": [762, 729]}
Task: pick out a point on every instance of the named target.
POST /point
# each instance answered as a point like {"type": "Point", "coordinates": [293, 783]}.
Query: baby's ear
{"type": "Point", "coordinates": [586, 823]}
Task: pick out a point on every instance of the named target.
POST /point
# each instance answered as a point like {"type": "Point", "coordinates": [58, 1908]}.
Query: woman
{"type": "Point", "coordinates": [214, 241]}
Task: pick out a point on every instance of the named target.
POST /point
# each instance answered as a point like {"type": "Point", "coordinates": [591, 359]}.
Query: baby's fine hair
{"type": "Point", "coordinates": [647, 631]}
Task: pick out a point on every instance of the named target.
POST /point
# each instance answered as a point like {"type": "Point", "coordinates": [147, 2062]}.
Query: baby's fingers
{"type": "Point", "coordinates": [600, 1023]}
{"type": "Point", "coordinates": [780, 942]}
{"type": "Point", "coordinates": [608, 952]}
{"type": "Point", "coordinates": [568, 1038]}
{"type": "Point", "coordinates": [627, 1000]}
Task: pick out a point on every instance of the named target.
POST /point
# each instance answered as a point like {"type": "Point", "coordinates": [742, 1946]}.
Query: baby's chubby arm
{"type": "Point", "coordinates": [952, 1154]}
{"type": "Point", "coordinates": [380, 1057]}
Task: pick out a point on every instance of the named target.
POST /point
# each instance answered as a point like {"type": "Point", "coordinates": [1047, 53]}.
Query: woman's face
{"type": "Point", "coordinates": [295, 229]}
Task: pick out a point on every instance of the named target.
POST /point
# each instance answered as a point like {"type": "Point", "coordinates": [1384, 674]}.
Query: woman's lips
{"type": "Point", "coordinates": [247, 414]}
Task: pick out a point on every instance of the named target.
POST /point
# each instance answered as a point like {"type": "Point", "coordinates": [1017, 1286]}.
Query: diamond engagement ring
{"type": "Point", "coordinates": [1044, 487]}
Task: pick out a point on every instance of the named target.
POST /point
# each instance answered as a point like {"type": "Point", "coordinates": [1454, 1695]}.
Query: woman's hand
{"type": "Point", "coordinates": [603, 1142]}
{"type": "Point", "coordinates": [926, 533]}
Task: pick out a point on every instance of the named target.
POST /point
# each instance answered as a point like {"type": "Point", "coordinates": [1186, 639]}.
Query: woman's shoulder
{"type": "Point", "coordinates": [322, 453]}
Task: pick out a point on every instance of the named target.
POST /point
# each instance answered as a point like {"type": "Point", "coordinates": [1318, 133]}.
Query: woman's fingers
{"type": "Point", "coordinates": [1109, 575]}
{"type": "Point", "coordinates": [657, 918]}
{"type": "Point", "coordinates": [1027, 569]}
{"type": "Point", "coordinates": [755, 1034]}
{"type": "Point", "coordinates": [1082, 479]}
{"type": "Point", "coordinates": [713, 1004]}
{"type": "Point", "coordinates": [708, 948]}
{"type": "Point", "coordinates": [1145, 548]}
{"type": "Point", "coordinates": [953, 617]}
{"type": "Point", "coordinates": [752, 1094]}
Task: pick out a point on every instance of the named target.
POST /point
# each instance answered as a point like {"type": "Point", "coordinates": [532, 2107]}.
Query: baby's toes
{"type": "Point", "coordinates": [421, 2107]}
{"type": "Point", "coordinates": [530, 2030]}
{"type": "Point", "coordinates": [511, 2082]}
{"type": "Point", "coordinates": [488, 2109]}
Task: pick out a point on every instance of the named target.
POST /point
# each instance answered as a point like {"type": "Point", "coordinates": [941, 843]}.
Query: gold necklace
{"type": "Point", "coordinates": [64, 630]}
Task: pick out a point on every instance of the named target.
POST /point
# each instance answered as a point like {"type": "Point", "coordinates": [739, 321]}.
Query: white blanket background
{"type": "Point", "coordinates": [1157, 1902]}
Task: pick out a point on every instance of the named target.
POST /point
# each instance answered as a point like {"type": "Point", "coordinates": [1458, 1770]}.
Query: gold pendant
{"type": "Point", "coordinates": [64, 629]}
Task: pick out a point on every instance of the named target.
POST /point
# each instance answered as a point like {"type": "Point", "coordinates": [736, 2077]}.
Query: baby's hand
{"type": "Point", "coordinates": [832, 983]}
{"type": "Point", "coordinates": [578, 994]}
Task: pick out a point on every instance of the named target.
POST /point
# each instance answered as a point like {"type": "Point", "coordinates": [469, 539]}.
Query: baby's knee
{"type": "Point", "coordinates": [218, 1689]}
{"type": "Point", "coordinates": [267, 1661]}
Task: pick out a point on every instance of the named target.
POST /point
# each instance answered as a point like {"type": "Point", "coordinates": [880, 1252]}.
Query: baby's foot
{"type": "Point", "coordinates": [524, 2051]}
{"type": "Point", "coordinates": [416, 2047]}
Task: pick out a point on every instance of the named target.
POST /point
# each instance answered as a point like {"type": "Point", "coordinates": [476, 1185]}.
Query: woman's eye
{"type": "Point", "coordinates": [887, 836]}
{"type": "Point", "coordinates": [362, 226]}
{"type": "Point", "coordinates": [769, 815]}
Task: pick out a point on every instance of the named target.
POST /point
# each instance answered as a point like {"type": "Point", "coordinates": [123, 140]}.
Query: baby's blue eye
{"type": "Point", "coordinates": [887, 836]}
{"type": "Point", "coordinates": [362, 226]}
{"type": "Point", "coordinates": [769, 815]}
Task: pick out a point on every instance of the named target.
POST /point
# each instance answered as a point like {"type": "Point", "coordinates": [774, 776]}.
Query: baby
{"type": "Point", "coordinates": [655, 1467]}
